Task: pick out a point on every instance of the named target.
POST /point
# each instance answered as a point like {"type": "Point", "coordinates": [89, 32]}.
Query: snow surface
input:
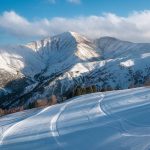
{"type": "Point", "coordinates": [50, 53]}
{"type": "Point", "coordinates": [16, 59]}
{"type": "Point", "coordinates": [116, 120]}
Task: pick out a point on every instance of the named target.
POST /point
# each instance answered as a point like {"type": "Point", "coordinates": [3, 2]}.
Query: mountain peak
{"type": "Point", "coordinates": [67, 37]}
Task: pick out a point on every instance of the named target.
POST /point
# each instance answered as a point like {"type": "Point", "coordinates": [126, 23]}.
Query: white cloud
{"type": "Point", "coordinates": [135, 27]}
{"type": "Point", "coordinates": [13, 24]}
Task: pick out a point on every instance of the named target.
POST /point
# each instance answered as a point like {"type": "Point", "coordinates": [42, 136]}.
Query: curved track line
{"type": "Point", "coordinates": [95, 105]}
{"type": "Point", "coordinates": [15, 125]}
{"type": "Point", "coordinates": [111, 116]}
{"type": "Point", "coordinates": [128, 123]}
{"type": "Point", "coordinates": [53, 123]}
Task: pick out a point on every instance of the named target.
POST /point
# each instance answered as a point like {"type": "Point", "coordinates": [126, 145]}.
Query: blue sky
{"type": "Point", "coordinates": [34, 9]}
{"type": "Point", "coordinates": [25, 20]}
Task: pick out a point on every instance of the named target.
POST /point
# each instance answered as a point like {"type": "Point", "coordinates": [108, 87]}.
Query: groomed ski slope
{"type": "Point", "coordinates": [118, 120]}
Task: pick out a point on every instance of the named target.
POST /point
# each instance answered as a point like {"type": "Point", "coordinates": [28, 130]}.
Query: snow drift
{"type": "Point", "coordinates": [114, 120]}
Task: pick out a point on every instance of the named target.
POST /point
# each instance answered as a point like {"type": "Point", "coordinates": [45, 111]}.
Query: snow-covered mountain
{"type": "Point", "coordinates": [117, 120]}
{"type": "Point", "coordinates": [58, 65]}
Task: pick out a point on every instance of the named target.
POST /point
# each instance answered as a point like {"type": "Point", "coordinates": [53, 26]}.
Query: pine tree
{"type": "Point", "coordinates": [83, 91]}
{"type": "Point", "coordinates": [94, 88]}
{"type": "Point", "coordinates": [147, 82]}
{"type": "Point", "coordinates": [31, 105]}
{"type": "Point", "coordinates": [89, 90]}
{"type": "Point", "coordinates": [1, 112]}
{"type": "Point", "coordinates": [78, 92]}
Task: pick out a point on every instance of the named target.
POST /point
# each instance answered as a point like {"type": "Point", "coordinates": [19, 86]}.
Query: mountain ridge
{"type": "Point", "coordinates": [58, 65]}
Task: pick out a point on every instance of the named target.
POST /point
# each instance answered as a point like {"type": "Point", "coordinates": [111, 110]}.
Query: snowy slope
{"type": "Point", "coordinates": [41, 60]}
{"type": "Point", "coordinates": [117, 120]}
{"type": "Point", "coordinates": [58, 48]}
{"type": "Point", "coordinates": [115, 48]}
{"type": "Point", "coordinates": [20, 59]}
{"type": "Point", "coordinates": [46, 53]}
{"type": "Point", "coordinates": [64, 51]}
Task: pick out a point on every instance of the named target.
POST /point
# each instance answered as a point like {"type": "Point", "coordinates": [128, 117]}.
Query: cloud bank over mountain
{"type": "Point", "coordinates": [135, 27]}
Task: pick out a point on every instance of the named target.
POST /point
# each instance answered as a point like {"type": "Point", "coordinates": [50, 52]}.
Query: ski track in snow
{"type": "Point", "coordinates": [53, 123]}
{"type": "Point", "coordinates": [116, 119]}
{"type": "Point", "coordinates": [124, 123]}
{"type": "Point", "coordinates": [14, 126]}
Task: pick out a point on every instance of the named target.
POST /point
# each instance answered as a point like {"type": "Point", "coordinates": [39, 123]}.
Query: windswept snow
{"type": "Point", "coordinates": [117, 120]}
{"type": "Point", "coordinates": [32, 58]}
{"type": "Point", "coordinates": [128, 63]}
{"type": "Point", "coordinates": [59, 64]}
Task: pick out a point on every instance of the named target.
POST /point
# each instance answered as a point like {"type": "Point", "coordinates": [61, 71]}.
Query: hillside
{"type": "Point", "coordinates": [115, 120]}
{"type": "Point", "coordinates": [59, 65]}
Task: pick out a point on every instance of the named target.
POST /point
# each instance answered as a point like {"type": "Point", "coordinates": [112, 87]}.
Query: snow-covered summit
{"type": "Point", "coordinates": [46, 52]}
{"type": "Point", "coordinates": [63, 46]}
{"type": "Point", "coordinates": [63, 62]}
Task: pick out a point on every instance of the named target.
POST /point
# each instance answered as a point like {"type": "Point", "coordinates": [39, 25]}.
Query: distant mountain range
{"type": "Point", "coordinates": [58, 65]}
